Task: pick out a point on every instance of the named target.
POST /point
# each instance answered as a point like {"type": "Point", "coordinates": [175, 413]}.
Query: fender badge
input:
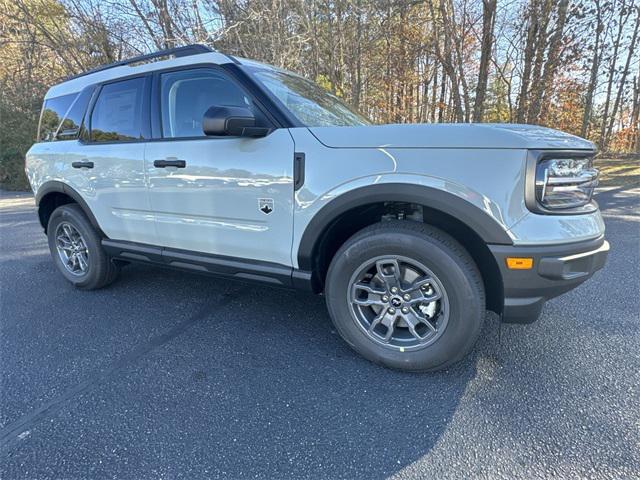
{"type": "Point", "coordinates": [265, 205]}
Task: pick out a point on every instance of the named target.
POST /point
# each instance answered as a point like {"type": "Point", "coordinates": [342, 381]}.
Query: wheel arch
{"type": "Point", "coordinates": [53, 194]}
{"type": "Point", "coordinates": [358, 208]}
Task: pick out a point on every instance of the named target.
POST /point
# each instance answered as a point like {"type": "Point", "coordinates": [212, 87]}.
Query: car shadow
{"type": "Point", "coordinates": [285, 396]}
{"type": "Point", "coordinates": [256, 382]}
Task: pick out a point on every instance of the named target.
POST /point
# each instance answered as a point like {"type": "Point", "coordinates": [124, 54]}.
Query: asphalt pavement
{"type": "Point", "coordinates": [178, 376]}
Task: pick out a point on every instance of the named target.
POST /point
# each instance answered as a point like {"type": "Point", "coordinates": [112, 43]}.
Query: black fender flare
{"type": "Point", "coordinates": [486, 227]}
{"type": "Point", "coordinates": [55, 186]}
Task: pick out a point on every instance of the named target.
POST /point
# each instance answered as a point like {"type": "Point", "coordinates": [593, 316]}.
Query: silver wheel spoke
{"type": "Point", "coordinates": [376, 321]}
{"type": "Point", "coordinates": [367, 302]}
{"type": "Point", "coordinates": [82, 263]}
{"type": "Point", "coordinates": [419, 283]}
{"type": "Point", "coordinates": [412, 322]}
{"type": "Point", "coordinates": [433, 297]}
{"type": "Point", "coordinates": [425, 298]}
{"type": "Point", "coordinates": [368, 288]}
{"type": "Point", "coordinates": [370, 300]}
{"type": "Point", "coordinates": [390, 323]}
{"type": "Point", "coordinates": [67, 231]}
{"type": "Point", "coordinates": [64, 241]}
{"type": "Point", "coordinates": [389, 272]}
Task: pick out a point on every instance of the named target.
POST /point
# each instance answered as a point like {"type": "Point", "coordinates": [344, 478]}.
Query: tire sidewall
{"type": "Point", "coordinates": [74, 216]}
{"type": "Point", "coordinates": [465, 305]}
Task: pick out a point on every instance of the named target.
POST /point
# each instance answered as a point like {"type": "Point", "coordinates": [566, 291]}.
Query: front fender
{"type": "Point", "coordinates": [478, 212]}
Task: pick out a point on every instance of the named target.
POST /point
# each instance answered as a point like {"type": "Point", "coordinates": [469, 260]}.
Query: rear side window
{"type": "Point", "coordinates": [62, 116]}
{"type": "Point", "coordinates": [53, 112]}
{"type": "Point", "coordinates": [187, 94]}
{"type": "Point", "coordinates": [70, 126]}
{"type": "Point", "coordinates": [117, 114]}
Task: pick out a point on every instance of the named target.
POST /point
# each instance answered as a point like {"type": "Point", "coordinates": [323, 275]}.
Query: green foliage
{"type": "Point", "coordinates": [27, 69]}
{"type": "Point", "coordinates": [12, 175]}
{"type": "Point", "coordinates": [18, 124]}
{"type": "Point", "coordinates": [497, 102]}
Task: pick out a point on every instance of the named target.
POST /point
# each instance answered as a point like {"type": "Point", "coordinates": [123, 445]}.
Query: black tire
{"type": "Point", "coordinates": [101, 271]}
{"type": "Point", "coordinates": [445, 258]}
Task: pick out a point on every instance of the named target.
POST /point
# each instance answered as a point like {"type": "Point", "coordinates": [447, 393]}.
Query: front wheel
{"type": "Point", "coordinates": [406, 295]}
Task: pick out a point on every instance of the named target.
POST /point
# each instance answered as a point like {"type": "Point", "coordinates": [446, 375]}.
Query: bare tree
{"type": "Point", "coordinates": [621, 86]}
{"type": "Point", "coordinates": [623, 16]}
{"type": "Point", "coordinates": [488, 23]}
{"type": "Point", "coordinates": [595, 66]}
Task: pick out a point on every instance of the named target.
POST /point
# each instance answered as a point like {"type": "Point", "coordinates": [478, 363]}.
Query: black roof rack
{"type": "Point", "coordinates": [174, 52]}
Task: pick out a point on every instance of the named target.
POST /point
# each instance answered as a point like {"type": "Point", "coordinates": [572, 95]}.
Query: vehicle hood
{"type": "Point", "coordinates": [449, 135]}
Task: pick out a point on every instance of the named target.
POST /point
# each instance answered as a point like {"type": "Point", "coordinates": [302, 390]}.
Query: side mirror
{"type": "Point", "coordinates": [231, 121]}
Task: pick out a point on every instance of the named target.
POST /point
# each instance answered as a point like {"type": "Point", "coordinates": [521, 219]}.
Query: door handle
{"type": "Point", "coordinates": [169, 163]}
{"type": "Point", "coordinates": [83, 164]}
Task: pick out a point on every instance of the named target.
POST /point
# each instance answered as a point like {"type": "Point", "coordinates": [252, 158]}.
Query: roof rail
{"type": "Point", "coordinates": [175, 52]}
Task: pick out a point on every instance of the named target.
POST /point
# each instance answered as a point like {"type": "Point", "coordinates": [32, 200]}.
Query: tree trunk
{"type": "Point", "coordinates": [593, 77]}
{"type": "Point", "coordinates": [488, 22]}
{"type": "Point", "coordinates": [537, 114]}
{"type": "Point", "coordinates": [623, 80]}
{"type": "Point", "coordinates": [612, 70]}
{"type": "Point", "coordinates": [635, 115]}
{"type": "Point", "coordinates": [529, 52]}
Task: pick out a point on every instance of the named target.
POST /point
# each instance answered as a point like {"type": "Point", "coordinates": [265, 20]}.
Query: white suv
{"type": "Point", "coordinates": [193, 159]}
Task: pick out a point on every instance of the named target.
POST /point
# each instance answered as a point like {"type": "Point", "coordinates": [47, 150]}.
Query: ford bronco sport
{"type": "Point", "coordinates": [193, 159]}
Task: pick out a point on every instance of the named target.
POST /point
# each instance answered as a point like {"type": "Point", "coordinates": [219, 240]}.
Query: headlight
{"type": "Point", "coordinates": [565, 183]}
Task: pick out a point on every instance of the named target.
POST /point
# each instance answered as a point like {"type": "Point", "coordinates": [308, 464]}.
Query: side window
{"type": "Point", "coordinates": [70, 126]}
{"type": "Point", "coordinates": [187, 94]}
{"type": "Point", "coordinates": [117, 114]}
{"type": "Point", "coordinates": [53, 111]}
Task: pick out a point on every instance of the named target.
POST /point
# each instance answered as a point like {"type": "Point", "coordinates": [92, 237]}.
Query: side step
{"type": "Point", "coordinates": [241, 269]}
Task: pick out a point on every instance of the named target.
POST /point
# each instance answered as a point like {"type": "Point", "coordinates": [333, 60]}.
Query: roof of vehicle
{"type": "Point", "coordinates": [187, 55]}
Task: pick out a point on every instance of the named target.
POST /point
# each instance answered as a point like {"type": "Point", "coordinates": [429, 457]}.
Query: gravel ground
{"type": "Point", "coordinates": [171, 375]}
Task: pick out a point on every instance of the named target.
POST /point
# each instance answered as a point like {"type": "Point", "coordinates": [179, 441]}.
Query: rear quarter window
{"type": "Point", "coordinates": [61, 117]}
{"type": "Point", "coordinates": [53, 112]}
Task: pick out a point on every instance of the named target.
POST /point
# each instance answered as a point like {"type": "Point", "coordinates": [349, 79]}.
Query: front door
{"type": "Point", "coordinates": [227, 196]}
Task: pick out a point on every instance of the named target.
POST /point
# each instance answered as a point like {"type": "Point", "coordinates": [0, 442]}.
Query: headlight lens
{"type": "Point", "coordinates": [563, 183]}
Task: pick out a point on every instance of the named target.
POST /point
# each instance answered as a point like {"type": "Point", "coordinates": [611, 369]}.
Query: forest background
{"type": "Point", "coordinates": [570, 65]}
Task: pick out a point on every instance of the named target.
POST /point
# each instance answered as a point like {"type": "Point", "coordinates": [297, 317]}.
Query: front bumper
{"type": "Point", "coordinates": [556, 270]}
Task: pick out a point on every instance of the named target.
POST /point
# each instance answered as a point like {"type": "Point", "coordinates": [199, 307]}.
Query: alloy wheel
{"type": "Point", "coordinates": [72, 249]}
{"type": "Point", "coordinates": [398, 303]}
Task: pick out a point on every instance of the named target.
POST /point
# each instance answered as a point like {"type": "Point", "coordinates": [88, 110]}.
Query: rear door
{"type": "Point", "coordinates": [229, 196]}
{"type": "Point", "coordinates": [109, 160]}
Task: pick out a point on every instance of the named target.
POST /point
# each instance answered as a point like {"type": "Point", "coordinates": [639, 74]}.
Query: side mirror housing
{"type": "Point", "coordinates": [231, 121]}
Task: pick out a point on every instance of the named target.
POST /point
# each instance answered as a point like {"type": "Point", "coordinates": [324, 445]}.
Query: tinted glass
{"type": "Point", "coordinates": [70, 126]}
{"type": "Point", "coordinates": [187, 94]}
{"type": "Point", "coordinates": [53, 111]}
{"type": "Point", "coordinates": [117, 114]}
{"type": "Point", "coordinates": [311, 104]}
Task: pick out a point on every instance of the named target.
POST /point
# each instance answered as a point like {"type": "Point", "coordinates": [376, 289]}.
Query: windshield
{"type": "Point", "coordinates": [310, 104]}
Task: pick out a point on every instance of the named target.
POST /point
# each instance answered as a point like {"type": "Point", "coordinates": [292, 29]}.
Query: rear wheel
{"type": "Point", "coordinates": [77, 251]}
{"type": "Point", "coordinates": [406, 295]}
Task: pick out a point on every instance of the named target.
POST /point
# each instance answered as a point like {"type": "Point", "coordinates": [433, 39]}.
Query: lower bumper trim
{"type": "Point", "coordinates": [556, 270]}
{"type": "Point", "coordinates": [574, 266]}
